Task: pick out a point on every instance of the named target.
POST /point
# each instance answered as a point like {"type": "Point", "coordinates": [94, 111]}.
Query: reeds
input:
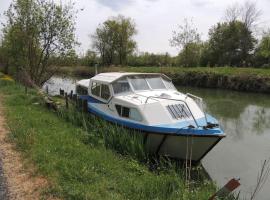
{"type": "Point", "coordinates": [121, 140]}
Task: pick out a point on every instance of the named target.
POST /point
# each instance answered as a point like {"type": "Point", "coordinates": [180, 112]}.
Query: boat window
{"type": "Point", "coordinates": [139, 83]}
{"type": "Point", "coordinates": [80, 90]}
{"type": "Point", "coordinates": [155, 82]}
{"type": "Point", "coordinates": [126, 112]}
{"type": "Point", "coordinates": [168, 84]}
{"type": "Point", "coordinates": [135, 115]}
{"type": "Point", "coordinates": [121, 86]}
{"type": "Point", "coordinates": [95, 89]}
{"type": "Point", "coordinates": [105, 92]}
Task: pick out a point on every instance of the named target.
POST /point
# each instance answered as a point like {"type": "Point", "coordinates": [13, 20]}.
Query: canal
{"type": "Point", "coordinates": [245, 117]}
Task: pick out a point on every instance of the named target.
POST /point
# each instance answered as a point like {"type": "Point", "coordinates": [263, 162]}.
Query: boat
{"type": "Point", "coordinates": [173, 124]}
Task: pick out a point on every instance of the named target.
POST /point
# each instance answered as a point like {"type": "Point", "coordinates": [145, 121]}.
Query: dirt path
{"type": "Point", "coordinates": [17, 183]}
{"type": "Point", "coordinates": [3, 185]}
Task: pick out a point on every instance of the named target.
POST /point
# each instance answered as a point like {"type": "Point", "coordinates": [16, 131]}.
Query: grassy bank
{"type": "Point", "coordinates": [86, 162]}
{"type": "Point", "coordinates": [240, 79]}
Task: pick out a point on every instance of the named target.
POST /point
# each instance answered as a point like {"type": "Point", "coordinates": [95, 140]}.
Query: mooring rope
{"type": "Point", "coordinates": [186, 162]}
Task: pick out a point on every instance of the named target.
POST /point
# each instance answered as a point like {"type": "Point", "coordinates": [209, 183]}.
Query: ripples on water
{"type": "Point", "coordinates": [245, 117]}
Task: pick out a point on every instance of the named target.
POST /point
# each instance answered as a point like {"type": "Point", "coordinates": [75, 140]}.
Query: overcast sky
{"type": "Point", "coordinates": [155, 19]}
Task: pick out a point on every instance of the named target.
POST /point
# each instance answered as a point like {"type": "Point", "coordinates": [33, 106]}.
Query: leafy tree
{"type": "Point", "coordinates": [184, 38]}
{"type": "Point", "coordinates": [113, 40]}
{"type": "Point", "coordinates": [230, 43]}
{"type": "Point", "coordinates": [190, 55]}
{"type": "Point", "coordinates": [35, 30]}
{"type": "Point", "coordinates": [89, 59]}
{"type": "Point", "coordinates": [262, 53]}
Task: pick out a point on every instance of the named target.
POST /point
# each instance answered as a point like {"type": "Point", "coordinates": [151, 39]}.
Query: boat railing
{"type": "Point", "coordinates": [183, 101]}
{"type": "Point", "coordinates": [200, 102]}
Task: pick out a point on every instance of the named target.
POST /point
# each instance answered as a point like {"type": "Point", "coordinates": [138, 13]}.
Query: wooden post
{"type": "Point", "coordinates": [71, 94]}
{"type": "Point", "coordinates": [61, 92]}
{"type": "Point", "coordinates": [85, 105]}
{"type": "Point", "coordinates": [66, 97]}
{"type": "Point", "coordinates": [47, 89]}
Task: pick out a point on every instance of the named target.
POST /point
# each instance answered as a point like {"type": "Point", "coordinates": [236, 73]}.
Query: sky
{"type": "Point", "coordinates": [155, 19]}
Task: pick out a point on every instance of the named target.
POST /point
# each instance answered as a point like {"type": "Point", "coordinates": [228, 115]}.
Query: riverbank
{"type": "Point", "coordinates": [238, 79]}
{"type": "Point", "coordinates": [80, 164]}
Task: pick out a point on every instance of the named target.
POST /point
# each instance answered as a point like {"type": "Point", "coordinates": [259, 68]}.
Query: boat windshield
{"type": "Point", "coordinates": [142, 82]}
{"type": "Point", "coordinates": [121, 86]}
{"type": "Point", "coordinates": [155, 82]}
{"type": "Point", "coordinates": [139, 83]}
{"type": "Point", "coordinates": [145, 82]}
{"type": "Point", "coordinates": [168, 84]}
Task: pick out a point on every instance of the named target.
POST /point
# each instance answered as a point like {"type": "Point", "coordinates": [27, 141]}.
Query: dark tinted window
{"type": "Point", "coordinates": [125, 112]}
{"type": "Point", "coordinates": [118, 108]}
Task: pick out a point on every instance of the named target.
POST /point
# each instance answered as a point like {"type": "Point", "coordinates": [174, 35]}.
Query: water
{"type": "Point", "coordinates": [57, 83]}
{"type": "Point", "coordinates": [245, 117]}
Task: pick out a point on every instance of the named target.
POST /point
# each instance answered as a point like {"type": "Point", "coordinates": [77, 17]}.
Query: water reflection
{"type": "Point", "coordinates": [57, 83]}
{"type": "Point", "coordinates": [245, 118]}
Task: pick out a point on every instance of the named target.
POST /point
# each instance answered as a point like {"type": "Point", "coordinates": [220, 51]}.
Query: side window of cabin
{"type": "Point", "coordinates": [131, 113]}
{"type": "Point", "coordinates": [95, 89]}
{"type": "Point", "coordinates": [101, 90]}
{"type": "Point", "coordinates": [105, 92]}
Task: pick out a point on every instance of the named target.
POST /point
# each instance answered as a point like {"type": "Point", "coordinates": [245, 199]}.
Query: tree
{"type": "Point", "coordinates": [230, 44]}
{"type": "Point", "coordinates": [190, 55]}
{"type": "Point", "coordinates": [184, 38]}
{"type": "Point", "coordinates": [89, 59]}
{"type": "Point", "coordinates": [262, 52]}
{"type": "Point", "coordinates": [35, 30]}
{"type": "Point", "coordinates": [113, 40]}
{"type": "Point", "coordinates": [246, 13]}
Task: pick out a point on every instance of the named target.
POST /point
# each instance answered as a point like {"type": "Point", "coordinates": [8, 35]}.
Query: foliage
{"type": "Point", "coordinates": [113, 40]}
{"type": "Point", "coordinates": [150, 59]}
{"type": "Point", "coordinates": [262, 53]}
{"type": "Point", "coordinates": [190, 55]}
{"type": "Point", "coordinates": [89, 59]}
{"type": "Point", "coordinates": [230, 44]}
{"type": "Point", "coordinates": [35, 30]}
{"type": "Point", "coordinates": [186, 38]}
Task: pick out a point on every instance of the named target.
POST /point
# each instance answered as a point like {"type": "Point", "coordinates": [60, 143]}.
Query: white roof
{"type": "Point", "coordinates": [84, 82]}
{"type": "Point", "coordinates": [112, 76]}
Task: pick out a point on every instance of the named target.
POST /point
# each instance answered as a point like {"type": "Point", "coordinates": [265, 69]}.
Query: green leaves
{"type": "Point", "coordinates": [113, 40]}
{"type": "Point", "coordinates": [230, 43]}
{"type": "Point", "coordinates": [35, 30]}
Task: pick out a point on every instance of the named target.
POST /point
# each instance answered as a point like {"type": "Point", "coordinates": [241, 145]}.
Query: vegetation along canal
{"type": "Point", "coordinates": [245, 118]}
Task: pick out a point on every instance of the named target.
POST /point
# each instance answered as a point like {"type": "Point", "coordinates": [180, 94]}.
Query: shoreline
{"type": "Point", "coordinates": [236, 79]}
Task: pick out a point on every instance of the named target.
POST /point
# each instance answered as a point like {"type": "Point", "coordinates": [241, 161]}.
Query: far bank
{"type": "Point", "coordinates": [232, 78]}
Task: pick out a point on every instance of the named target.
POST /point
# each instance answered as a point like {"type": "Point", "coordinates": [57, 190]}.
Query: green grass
{"type": "Point", "coordinates": [229, 71]}
{"type": "Point", "coordinates": [81, 162]}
